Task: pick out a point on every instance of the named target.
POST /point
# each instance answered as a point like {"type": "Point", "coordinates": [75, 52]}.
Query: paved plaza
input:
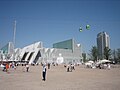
{"type": "Point", "coordinates": [58, 79]}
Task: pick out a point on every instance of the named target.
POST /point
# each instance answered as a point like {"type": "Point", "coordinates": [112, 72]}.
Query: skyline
{"type": "Point", "coordinates": [54, 21]}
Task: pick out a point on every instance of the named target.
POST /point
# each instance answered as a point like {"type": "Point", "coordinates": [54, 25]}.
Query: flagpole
{"type": "Point", "coordinates": [14, 29]}
{"type": "Point", "coordinates": [14, 33]}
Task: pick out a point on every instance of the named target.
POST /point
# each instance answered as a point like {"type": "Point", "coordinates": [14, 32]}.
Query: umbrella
{"type": "Point", "coordinates": [91, 61]}
{"type": "Point", "coordinates": [105, 61]}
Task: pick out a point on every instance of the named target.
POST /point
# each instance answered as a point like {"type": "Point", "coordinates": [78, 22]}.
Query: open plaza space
{"type": "Point", "coordinates": [59, 79]}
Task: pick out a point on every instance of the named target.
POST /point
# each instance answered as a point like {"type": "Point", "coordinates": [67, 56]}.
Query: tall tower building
{"type": "Point", "coordinates": [103, 40]}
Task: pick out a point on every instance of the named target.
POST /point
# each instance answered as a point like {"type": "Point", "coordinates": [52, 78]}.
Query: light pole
{"type": "Point", "coordinates": [14, 30]}
{"type": "Point", "coordinates": [14, 33]}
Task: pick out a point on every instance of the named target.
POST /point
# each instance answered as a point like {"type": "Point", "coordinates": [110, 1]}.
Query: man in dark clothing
{"type": "Point", "coordinates": [44, 72]}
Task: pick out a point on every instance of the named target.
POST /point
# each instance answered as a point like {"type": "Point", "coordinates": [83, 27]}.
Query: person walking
{"type": "Point", "coordinates": [109, 66]}
{"type": "Point", "coordinates": [7, 67]}
{"type": "Point", "coordinates": [44, 72]}
{"type": "Point", "coordinates": [3, 66]}
{"type": "Point", "coordinates": [27, 67]}
{"type": "Point", "coordinates": [48, 65]}
{"type": "Point", "coordinates": [68, 68]}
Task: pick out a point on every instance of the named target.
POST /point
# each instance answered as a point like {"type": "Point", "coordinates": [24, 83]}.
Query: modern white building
{"type": "Point", "coordinates": [62, 52]}
{"type": "Point", "coordinates": [103, 40]}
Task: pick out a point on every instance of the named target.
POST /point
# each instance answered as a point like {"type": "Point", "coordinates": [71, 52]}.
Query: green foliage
{"type": "Point", "coordinates": [84, 57]}
{"type": "Point", "coordinates": [107, 53]}
{"type": "Point", "coordinates": [94, 53]}
{"type": "Point", "coordinates": [118, 54]}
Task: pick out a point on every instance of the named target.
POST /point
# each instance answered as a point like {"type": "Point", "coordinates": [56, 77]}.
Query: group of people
{"type": "Point", "coordinates": [70, 67]}
{"type": "Point", "coordinates": [6, 66]}
{"type": "Point", "coordinates": [104, 66]}
{"type": "Point", "coordinates": [98, 65]}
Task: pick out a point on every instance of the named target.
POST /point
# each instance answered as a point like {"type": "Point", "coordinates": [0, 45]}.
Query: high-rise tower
{"type": "Point", "coordinates": [103, 40]}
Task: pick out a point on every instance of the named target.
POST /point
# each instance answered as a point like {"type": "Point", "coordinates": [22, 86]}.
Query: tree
{"type": "Point", "coordinates": [118, 54]}
{"type": "Point", "coordinates": [94, 53]}
{"type": "Point", "coordinates": [114, 56]}
{"type": "Point", "coordinates": [84, 57]}
{"type": "Point", "coordinates": [107, 53]}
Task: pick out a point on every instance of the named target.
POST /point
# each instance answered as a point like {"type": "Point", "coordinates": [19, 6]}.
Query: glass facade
{"type": "Point", "coordinates": [68, 44]}
{"type": "Point", "coordinates": [5, 49]}
{"type": "Point", "coordinates": [8, 48]}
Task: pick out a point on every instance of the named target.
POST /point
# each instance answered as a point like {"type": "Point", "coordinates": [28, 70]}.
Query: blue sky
{"type": "Point", "coordinates": [51, 21]}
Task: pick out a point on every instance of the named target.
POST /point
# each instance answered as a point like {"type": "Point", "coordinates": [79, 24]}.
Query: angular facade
{"type": "Point", "coordinates": [68, 51]}
{"type": "Point", "coordinates": [30, 53]}
{"type": "Point", "coordinates": [103, 40]}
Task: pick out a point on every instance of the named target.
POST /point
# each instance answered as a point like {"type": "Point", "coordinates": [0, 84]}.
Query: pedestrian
{"type": "Point", "coordinates": [7, 67]}
{"type": "Point", "coordinates": [13, 66]}
{"type": "Point", "coordinates": [73, 67]}
{"type": "Point", "coordinates": [3, 66]}
{"type": "Point", "coordinates": [108, 66]}
{"type": "Point", "coordinates": [68, 68]}
{"type": "Point", "coordinates": [48, 65]}
{"type": "Point", "coordinates": [44, 72]}
{"type": "Point", "coordinates": [27, 67]}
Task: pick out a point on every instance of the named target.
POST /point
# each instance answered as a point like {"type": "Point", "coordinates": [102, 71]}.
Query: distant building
{"type": "Point", "coordinates": [103, 40]}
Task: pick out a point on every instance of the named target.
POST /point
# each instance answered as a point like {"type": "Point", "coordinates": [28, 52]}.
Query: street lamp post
{"type": "Point", "coordinates": [14, 35]}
